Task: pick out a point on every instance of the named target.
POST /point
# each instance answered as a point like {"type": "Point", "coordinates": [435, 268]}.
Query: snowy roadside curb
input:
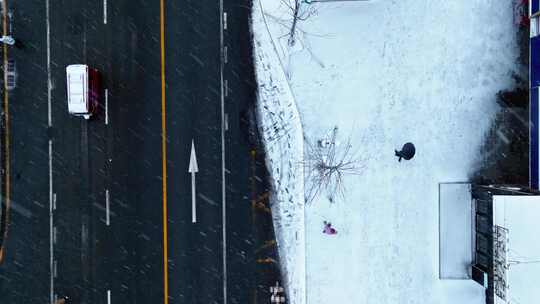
{"type": "Point", "coordinates": [281, 130]}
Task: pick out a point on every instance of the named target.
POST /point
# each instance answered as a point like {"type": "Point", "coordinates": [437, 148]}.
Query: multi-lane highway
{"type": "Point", "coordinates": [101, 210]}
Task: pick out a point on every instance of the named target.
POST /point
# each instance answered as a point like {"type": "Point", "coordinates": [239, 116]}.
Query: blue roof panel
{"type": "Point", "coordinates": [535, 62]}
{"type": "Point", "coordinates": [533, 140]}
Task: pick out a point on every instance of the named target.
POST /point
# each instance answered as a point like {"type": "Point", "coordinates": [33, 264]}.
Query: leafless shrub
{"type": "Point", "coordinates": [327, 163]}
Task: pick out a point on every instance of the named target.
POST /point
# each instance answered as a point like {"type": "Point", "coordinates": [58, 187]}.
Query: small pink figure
{"type": "Point", "coordinates": [328, 229]}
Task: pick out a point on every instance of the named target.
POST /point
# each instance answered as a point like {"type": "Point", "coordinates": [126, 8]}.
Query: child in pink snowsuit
{"type": "Point", "coordinates": [328, 229]}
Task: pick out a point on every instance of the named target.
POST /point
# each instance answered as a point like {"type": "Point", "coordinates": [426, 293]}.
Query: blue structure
{"type": "Point", "coordinates": [533, 140]}
{"type": "Point", "coordinates": [534, 7]}
{"type": "Point", "coordinates": [534, 97]}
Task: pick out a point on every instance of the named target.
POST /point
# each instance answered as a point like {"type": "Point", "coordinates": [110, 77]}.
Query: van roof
{"type": "Point", "coordinates": [77, 87]}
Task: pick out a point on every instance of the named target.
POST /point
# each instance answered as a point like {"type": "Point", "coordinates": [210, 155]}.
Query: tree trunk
{"type": "Point", "coordinates": [295, 20]}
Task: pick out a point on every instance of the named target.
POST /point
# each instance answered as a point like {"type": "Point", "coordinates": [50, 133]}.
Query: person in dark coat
{"type": "Point", "coordinates": [407, 152]}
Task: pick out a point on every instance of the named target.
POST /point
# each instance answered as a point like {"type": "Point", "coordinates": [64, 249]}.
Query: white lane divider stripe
{"type": "Point", "coordinates": [104, 11]}
{"type": "Point", "coordinates": [107, 214]}
{"type": "Point", "coordinates": [108, 297]}
{"type": "Point", "coordinates": [106, 106]}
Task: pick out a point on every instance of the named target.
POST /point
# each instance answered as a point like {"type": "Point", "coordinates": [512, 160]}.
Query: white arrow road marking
{"type": "Point", "coordinates": [193, 168]}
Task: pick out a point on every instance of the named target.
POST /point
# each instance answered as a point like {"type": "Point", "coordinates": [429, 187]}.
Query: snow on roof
{"type": "Point", "coordinates": [455, 238]}
{"type": "Point", "coordinates": [520, 215]}
{"type": "Point", "coordinates": [77, 82]}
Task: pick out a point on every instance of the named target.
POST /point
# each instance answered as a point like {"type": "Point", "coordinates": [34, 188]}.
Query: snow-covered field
{"type": "Point", "coordinates": [388, 72]}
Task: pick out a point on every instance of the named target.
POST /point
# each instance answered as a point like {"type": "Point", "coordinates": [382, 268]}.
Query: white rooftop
{"type": "Point", "coordinates": [77, 82]}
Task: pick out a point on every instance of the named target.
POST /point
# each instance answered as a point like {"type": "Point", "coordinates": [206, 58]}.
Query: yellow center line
{"type": "Point", "coordinates": [6, 148]}
{"type": "Point", "coordinates": [164, 155]}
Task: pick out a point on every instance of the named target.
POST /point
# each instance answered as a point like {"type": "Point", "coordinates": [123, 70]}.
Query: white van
{"type": "Point", "coordinates": [83, 87]}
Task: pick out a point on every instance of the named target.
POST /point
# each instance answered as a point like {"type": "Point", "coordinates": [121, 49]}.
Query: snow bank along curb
{"type": "Point", "coordinates": [281, 130]}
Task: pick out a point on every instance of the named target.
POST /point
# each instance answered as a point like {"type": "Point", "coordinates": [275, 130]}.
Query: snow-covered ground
{"type": "Point", "coordinates": [281, 130]}
{"type": "Point", "coordinates": [388, 72]}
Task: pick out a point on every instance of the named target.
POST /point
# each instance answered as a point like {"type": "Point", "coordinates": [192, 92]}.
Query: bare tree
{"type": "Point", "coordinates": [327, 163]}
{"type": "Point", "coordinates": [298, 12]}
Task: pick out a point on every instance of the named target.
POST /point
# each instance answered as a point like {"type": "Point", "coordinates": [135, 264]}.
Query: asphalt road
{"type": "Point", "coordinates": [192, 48]}
{"type": "Point", "coordinates": [105, 184]}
